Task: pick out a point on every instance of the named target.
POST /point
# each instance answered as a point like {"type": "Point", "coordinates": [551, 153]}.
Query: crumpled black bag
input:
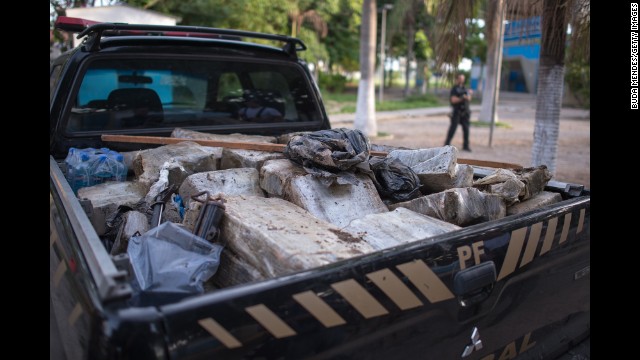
{"type": "Point", "coordinates": [332, 155]}
{"type": "Point", "coordinates": [394, 180]}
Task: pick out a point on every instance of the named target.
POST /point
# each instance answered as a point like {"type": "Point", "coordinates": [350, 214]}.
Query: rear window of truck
{"type": "Point", "coordinates": [168, 93]}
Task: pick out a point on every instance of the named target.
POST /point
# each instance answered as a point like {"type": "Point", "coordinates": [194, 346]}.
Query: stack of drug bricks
{"type": "Point", "coordinates": [279, 219]}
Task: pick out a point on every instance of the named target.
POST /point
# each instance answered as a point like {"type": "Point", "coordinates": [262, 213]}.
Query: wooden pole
{"type": "Point", "coordinates": [243, 145]}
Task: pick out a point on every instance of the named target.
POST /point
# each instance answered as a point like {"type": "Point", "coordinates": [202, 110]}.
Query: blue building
{"type": "Point", "coordinates": [520, 55]}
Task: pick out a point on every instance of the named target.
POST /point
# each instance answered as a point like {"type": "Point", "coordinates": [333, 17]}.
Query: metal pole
{"type": "Point", "coordinates": [382, 45]}
{"type": "Point", "coordinates": [498, 73]}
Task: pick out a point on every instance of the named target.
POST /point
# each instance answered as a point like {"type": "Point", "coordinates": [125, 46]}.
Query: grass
{"type": "Point", "coordinates": [339, 97]}
{"type": "Point", "coordinates": [498, 124]}
{"type": "Point", "coordinates": [346, 103]}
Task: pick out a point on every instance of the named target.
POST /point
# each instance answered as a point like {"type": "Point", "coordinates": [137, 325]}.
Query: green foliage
{"type": "Point", "coordinates": [499, 124]}
{"type": "Point", "coordinates": [333, 83]}
{"type": "Point", "coordinates": [411, 102]}
{"type": "Point", "coordinates": [339, 46]}
{"type": "Point", "coordinates": [252, 15]}
{"type": "Point", "coordinates": [422, 46]}
{"type": "Point", "coordinates": [337, 103]}
{"type": "Point", "coordinates": [342, 41]}
{"type": "Point", "coordinates": [577, 76]}
{"type": "Point", "coordinates": [316, 50]}
{"type": "Point", "coordinates": [475, 44]}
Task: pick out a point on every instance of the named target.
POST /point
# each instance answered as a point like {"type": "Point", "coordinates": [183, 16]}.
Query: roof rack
{"type": "Point", "coordinates": [95, 30]}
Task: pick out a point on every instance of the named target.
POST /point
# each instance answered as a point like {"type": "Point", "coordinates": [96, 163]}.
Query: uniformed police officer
{"type": "Point", "coordinates": [459, 99]}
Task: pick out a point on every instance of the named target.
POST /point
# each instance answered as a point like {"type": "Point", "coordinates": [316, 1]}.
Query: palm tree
{"type": "Point", "coordinates": [555, 18]}
{"type": "Point", "coordinates": [365, 119]}
{"type": "Point", "coordinates": [409, 16]}
{"type": "Point", "coordinates": [556, 15]}
{"type": "Point", "coordinates": [298, 16]}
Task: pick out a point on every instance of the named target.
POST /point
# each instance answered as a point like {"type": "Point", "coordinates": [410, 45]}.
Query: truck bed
{"type": "Point", "coordinates": [360, 303]}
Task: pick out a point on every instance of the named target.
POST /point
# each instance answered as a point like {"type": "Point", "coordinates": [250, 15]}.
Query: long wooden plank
{"type": "Point", "coordinates": [243, 145]}
{"type": "Point", "coordinates": [214, 143]}
{"type": "Point", "coordinates": [487, 163]}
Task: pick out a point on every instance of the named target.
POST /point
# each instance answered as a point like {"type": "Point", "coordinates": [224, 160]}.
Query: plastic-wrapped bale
{"type": "Point", "coordinates": [275, 176]}
{"type": "Point", "coordinates": [128, 157]}
{"type": "Point", "coordinates": [503, 183]}
{"type": "Point", "coordinates": [459, 206]}
{"type": "Point", "coordinates": [134, 223]}
{"type": "Point", "coordinates": [397, 227]}
{"type": "Point", "coordinates": [535, 202]}
{"type": "Point", "coordinates": [242, 181]}
{"type": "Point", "coordinates": [514, 185]}
{"type": "Point", "coordinates": [534, 179]}
{"type": "Point", "coordinates": [463, 176]}
{"type": "Point", "coordinates": [233, 158]}
{"type": "Point", "coordinates": [337, 204]}
{"type": "Point", "coordinates": [234, 271]}
{"type": "Point", "coordinates": [186, 158]}
{"type": "Point", "coordinates": [237, 158]}
{"type": "Point", "coordinates": [191, 134]}
{"type": "Point", "coordinates": [105, 199]}
{"type": "Point", "coordinates": [277, 237]}
{"type": "Point", "coordinates": [436, 168]}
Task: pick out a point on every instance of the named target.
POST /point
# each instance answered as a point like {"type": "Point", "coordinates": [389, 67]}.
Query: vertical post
{"type": "Point", "coordinates": [383, 40]}
{"type": "Point", "coordinates": [498, 71]}
{"type": "Point", "coordinates": [382, 45]}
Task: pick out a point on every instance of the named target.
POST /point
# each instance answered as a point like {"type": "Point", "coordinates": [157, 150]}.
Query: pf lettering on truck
{"type": "Point", "coordinates": [308, 269]}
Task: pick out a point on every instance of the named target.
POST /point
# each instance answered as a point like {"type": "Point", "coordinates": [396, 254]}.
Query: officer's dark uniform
{"type": "Point", "coordinates": [461, 114]}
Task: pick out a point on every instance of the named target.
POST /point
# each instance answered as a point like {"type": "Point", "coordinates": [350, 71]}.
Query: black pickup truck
{"type": "Point", "coordinates": [514, 287]}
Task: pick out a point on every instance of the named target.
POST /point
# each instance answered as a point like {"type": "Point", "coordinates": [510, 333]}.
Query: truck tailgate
{"type": "Point", "coordinates": [522, 283]}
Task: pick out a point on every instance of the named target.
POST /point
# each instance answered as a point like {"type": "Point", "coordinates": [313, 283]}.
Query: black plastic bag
{"type": "Point", "coordinates": [394, 180]}
{"type": "Point", "coordinates": [330, 154]}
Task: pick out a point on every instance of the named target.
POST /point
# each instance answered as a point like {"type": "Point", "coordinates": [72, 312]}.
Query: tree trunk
{"type": "Point", "coordinates": [411, 37]}
{"type": "Point", "coordinates": [493, 34]}
{"type": "Point", "coordinates": [365, 119]}
{"type": "Point", "coordinates": [555, 17]}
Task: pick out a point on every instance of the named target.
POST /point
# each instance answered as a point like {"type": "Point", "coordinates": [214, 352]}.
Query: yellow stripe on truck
{"type": "Point", "coordinates": [426, 281]}
{"type": "Point", "coordinates": [359, 298]}
{"type": "Point", "coordinates": [75, 314]}
{"type": "Point", "coordinates": [270, 321]}
{"type": "Point", "coordinates": [57, 276]}
{"type": "Point", "coordinates": [220, 333]}
{"type": "Point", "coordinates": [319, 309]}
{"type": "Point", "coordinates": [532, 244]}
{"type": "Point", "coordinates": [513, 252]}
{"type": "Point", "coordinates": [580, 221]}
{"type": "Point", "coordinates": [417, 272]}
{"type": "Point", "coordinates": [565, 228]}
{"type": "Point", "coordinates": [549, 235]}
{"type": "Point", "coordinates": [393, 287]}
